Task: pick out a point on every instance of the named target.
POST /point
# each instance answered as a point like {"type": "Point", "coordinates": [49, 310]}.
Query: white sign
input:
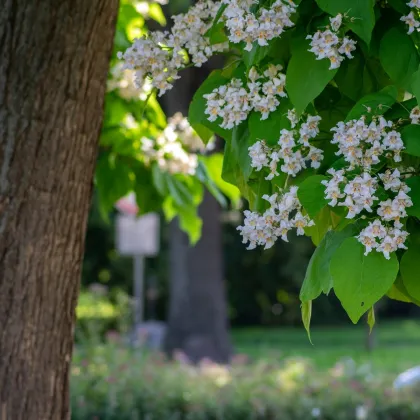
{"type": "Point", "coordinates": [137, 236]}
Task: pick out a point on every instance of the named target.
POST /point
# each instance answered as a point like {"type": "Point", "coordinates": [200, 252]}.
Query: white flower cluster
{"type": "Point", "coordinates": [415, 115]}
{"type": "Point", "coordinates": [234, 101]}
{"type": "Point", "coordinates": [358, 194]}
{"type": "Point", "coordinates": [169, 148]}
{"type": "Point", "coordinates": [363, 144]}
{"type": "Point", "coordinates": [261, 27]}
{"type": "Point", "coordinates": [122, 80]}
{"type": "Point", "coordinates": [329, 44]}
{"type": "Point", "coordinates": [161, 55]}
{"type": "Point", "coordinates": [295, 151]}
{"type": "Point", "coordinates": [284, 214]}
{"type": "Point", "coordinates": [412, 18]}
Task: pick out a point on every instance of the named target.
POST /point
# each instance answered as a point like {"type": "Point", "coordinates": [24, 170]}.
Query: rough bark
{"type": "Point", "coordinates": [53, 68]}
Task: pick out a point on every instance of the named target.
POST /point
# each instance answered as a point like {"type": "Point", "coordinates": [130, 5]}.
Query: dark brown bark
{"type": "Point", "coordinates": [54, 61]}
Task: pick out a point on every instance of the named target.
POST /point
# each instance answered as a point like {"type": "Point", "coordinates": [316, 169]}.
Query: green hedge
{"type": "Point", "coordinates": [110, 383]}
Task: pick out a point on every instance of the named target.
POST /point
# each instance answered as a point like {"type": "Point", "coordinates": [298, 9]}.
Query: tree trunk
{"type": "Point", "coordinates": [53, 69]}
{"type": "Point", "coordinates": [198, 319]}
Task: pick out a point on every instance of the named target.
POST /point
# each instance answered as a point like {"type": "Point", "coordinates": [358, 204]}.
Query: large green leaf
{"type": "Point", "coordinates": [269, 129]}
{"type": "Point", "coordinates": [349, 76]}
{"type": "Point", "coordinates": [415, 85]}
{"type": "Point", "coordinates": [318, 278]}
{"type": "Point", "coordinates": [361, 10]}
{"type": "Point", "coordinates": [233, 174]}
{"type": "Point", "coordinates": [359, 280]}
{"type": "Point", "coordinates": [411, 139]}
{"type": "Point", "coordinates": [414, 184]}
{"type": "Point", "coordinates": [410, 271]}
{"type": "Point", "coordinates": [214, 165]}
{"type": "Point", "coordinates": [399, 56]}
{"type": "Point", "coordinates": [311, 194]}
{"type": "Point", "coordinates": [379, 103]}
{"type": "Point", "coordinates": [306, 77]}
{"type": "Point", "coordinates": [147, 197]}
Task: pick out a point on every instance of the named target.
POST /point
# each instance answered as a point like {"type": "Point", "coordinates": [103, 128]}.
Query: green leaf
{"type": "Point", "coordinates": [410, 271]}
{"type": "Point", "coordinates": [214, 165]}
{"type": "Point", "coordinates": [361, 10]}
{"type": "Point", "coordinates": [191, 223]}
{"type": "Point", "coordinates": [233, 174]}
{"type": "Point", "coordinates": [415, 85]}
{"type": "Point", "coordinates": [196, 115]}
{"type": "Point", "coordinates": [371, 319]}
{"type": "Point", "coordinates": [306, 309]}
{"type": "Point", "coordinates": [324, 221]}
{"type": "Point", "coordinates": [159, 179]}
{"type": "Point", "coordinates": [114, 179]}
{"type": "Point", "coordinates": [400, 6]}
{"type": "Point", "coordinates": [156, 13]}
{"type": "Point", "coordinates": [240, 144]}
{"type": "Point", "coordinates": [318, 278]}
{"type": "Point", "coordinates": [379, 103]}
{"type": "Point", "coordinates": [411, 138]}
{"type": "Point", "coordinates": [359, 280]}
{"type": "Point", "coordinates": [256, 55]}
{"type": "Point", "coordinates": [349, 75]}
{"type": "Point", "coordinates": [269, 129]}
{"type": "Point", "coordinates": [179, 192]}
{"type": "Point", "coordinates": [399, 292]}
{"type": "Point", "coordinates": [147, 197]}
{"type": "Point", "coordinates": [399, 56]}
{"type": "Point", "coordinates": [306, 77]}
{"type": "Point", "coordinates": [311, 194]}
{"type": "Point", "coordinates": [414, 184]}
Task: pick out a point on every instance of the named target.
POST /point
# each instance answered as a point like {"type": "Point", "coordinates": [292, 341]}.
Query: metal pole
{"type": "Point", "coordinates": [138, 288]}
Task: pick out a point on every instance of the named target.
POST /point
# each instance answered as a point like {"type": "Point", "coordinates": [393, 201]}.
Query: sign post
{"type": "Point", "coordinates": [137, 237]}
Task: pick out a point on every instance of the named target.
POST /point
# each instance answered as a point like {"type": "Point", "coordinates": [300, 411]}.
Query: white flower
{"type": "Point", "coordinates": [258, 154]}
{"type": "Point", "coordinates": [391, 180]}
{"type": "Point", "coordinates": [387, 246]}
{"type": "Point", "coordinates": [415, 115]}
{"type": "Point", "coordinates": [265, 25]}
{"type": "Point", "coordinates": [276, 222]}
{"type": "Point", "coordinates": [159, 57]}
{"type": "Point", "coordinates": [347, 47]}
{"type": "Point", "coordinates": [368, 241]}
{"type": "Point", "coordinates": [411, 21]}
{"type": "Point", "coordinates": [376, 229]}
{"type": "Point", "coordinates": [327, 44]}
{"type": "Point", "coordinates": [292, 117]}
{"type": "Point", "coordinates": [171, 149]}
{"type": "Point", "coordinates": [388, 210]}
{"type": "Point", "coordinates": [336, 22]}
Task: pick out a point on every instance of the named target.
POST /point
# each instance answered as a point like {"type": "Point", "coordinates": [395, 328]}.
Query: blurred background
{"type": "Point", "coordinates": [216, 303]}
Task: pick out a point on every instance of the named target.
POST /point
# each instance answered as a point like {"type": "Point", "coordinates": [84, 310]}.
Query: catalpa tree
{"type": "Point", "coordinates": [318, 104]}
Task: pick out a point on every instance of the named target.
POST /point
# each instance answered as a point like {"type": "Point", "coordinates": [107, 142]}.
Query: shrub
{"type": "Point", "coordinates": [113, 383]}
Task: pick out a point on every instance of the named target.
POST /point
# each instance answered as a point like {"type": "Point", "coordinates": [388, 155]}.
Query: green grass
{"type": "Point", "coordinates": [397, 345]}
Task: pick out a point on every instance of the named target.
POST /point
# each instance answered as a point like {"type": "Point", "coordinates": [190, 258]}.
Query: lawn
{"type": "Point", "coordinates": [397, 345]}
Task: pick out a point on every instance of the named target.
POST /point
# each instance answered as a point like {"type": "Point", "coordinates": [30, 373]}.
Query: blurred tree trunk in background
{"type": "Point", "coordinates": [53, 71]}
{"type": "Point", "coordinates": [198, 318]}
